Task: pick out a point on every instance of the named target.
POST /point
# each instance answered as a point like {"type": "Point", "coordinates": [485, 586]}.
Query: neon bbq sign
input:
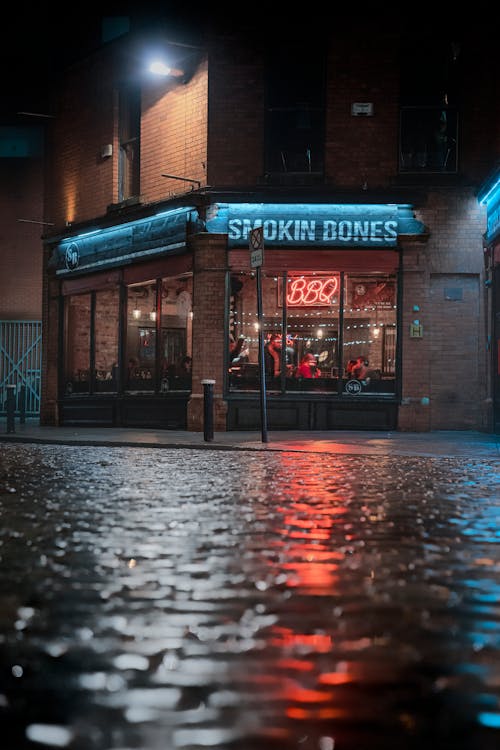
{"type": "Point", "coordinates": [312, 291]}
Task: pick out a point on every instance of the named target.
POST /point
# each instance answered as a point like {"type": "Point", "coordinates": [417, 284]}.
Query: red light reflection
{"type": "Point", "coordinates": [305, 555]}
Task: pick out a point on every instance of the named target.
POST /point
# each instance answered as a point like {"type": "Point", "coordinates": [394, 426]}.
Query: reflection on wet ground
{"type": "Point", "coordinates": [168, 600]}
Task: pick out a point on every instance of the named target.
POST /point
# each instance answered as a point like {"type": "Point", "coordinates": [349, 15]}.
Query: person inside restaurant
{"type": "Point", "coordinates": [308, 367]}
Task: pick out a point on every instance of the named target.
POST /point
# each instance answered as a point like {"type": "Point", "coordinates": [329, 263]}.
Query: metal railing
{"type": "Point", "coordinates": [21, 365]}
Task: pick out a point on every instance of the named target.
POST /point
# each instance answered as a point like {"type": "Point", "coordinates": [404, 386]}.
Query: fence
{"type": "Point", "coordinates": [21, 365]}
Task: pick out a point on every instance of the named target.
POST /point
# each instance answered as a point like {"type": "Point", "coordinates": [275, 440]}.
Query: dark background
{"type": "Point", "coordinates": [37, 41]}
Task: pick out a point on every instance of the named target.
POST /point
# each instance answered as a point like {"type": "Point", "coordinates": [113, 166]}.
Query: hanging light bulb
{"type": "Point", "coordinates": [136, 313]}
{"type": "Point", "coordinates": [152, 314]}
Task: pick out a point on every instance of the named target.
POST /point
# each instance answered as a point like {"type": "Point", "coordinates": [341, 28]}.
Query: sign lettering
{"type": "Point", "coordinates": [312, 291]}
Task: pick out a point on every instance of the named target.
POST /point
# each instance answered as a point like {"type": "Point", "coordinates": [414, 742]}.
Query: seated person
{"type": "Point", "coordinates": [235, 347]}
{"type": "Point", "coordinates": [239, 352]}
{"type": "Point", "coordinates": [360, 369]}
{"type": "Point", "coordinates": [308, 367]}
{"type": "Point", "coordinates": [185, 366]}
{"type": "Point", "coordinates": [349, 368]}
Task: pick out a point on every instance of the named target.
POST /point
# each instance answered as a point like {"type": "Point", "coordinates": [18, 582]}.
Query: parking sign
{"type": "Point", "coordinates": [256, 245]}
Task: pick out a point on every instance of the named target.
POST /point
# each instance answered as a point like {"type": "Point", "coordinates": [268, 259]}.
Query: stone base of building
{"type": "Point", "coordinates": [414, 417]}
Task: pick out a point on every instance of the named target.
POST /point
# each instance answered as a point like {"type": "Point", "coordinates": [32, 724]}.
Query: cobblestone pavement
{"type": "Point", "coordinates": [184, 600]}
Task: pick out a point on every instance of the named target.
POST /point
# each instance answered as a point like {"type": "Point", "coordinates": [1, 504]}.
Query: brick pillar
{"type": "Point", "coordinates": [49, 411]}
{"type": "Point", "coordinates": [209, 337]}
{"type": "Point", "coordinates": [415, 409]}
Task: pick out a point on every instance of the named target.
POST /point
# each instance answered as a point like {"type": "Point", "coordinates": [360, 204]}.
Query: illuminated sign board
{"type": "Point", "coordinates": [110, 246]}
{"type": "Point", "coordinates": [312, 291]}
{"type": "Point", "coordinates": [321, 225]}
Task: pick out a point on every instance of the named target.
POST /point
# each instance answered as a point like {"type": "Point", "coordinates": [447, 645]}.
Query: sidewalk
{"type": "Point", "coordinates": [440, 443]}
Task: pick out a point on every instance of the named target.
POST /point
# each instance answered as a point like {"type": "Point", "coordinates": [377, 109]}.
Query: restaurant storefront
{"type": "Point", "coordinates": [145, 314]}
{"type": "Point", "coordinates": [331, 282]}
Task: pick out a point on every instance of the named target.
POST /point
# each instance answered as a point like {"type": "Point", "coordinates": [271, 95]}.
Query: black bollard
{"type": "Point", "coordinates": [208, 410]}
{"type": "Point", "coordinates": [11, 408]}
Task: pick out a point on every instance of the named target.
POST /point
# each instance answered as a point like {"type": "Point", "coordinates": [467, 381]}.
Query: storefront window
{"type": "Point", "coordinates": [77, 344]}
{"type": "Point", "coordinates": [141, 337]}
{"type": "Point", "coordinates": [307, 306]}
{"type": "Point", "coordinates": [172, 369]}
{"type": "Point", "coordinates": [176, 338]}
{"type": "Point", "coordinates": [369, 336]}
{"type": "Point", "coordinates": [312, 304]}
{"type": "Point", "coordinates": [106, 340]}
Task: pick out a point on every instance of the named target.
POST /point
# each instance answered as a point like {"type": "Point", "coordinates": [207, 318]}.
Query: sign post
{"type": "Point", "coordinates": [256, 245]}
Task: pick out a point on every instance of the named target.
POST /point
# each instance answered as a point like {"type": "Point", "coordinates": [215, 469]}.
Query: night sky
{"type": "Point", "coordinates": [37, 41]}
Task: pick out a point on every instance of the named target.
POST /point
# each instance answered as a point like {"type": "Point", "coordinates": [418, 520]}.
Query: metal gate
{"type": "Point", "coordinates": [21, 364]}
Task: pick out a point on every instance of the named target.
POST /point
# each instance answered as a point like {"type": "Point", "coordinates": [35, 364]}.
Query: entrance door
{"type": "Point", "coordinates": [458, 377]}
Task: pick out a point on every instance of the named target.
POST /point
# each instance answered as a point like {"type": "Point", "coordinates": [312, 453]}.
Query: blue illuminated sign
{"type": "Point", "coordinates": [489, 196]}
{"type": "Point", "coordinates": [103, 248]}
{"type": "Point", "coordinates": [283, 224]}
{"type": "Point", "coordinates": [325, 225]}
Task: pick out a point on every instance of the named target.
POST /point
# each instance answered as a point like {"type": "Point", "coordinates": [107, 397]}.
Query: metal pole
{"type": "Point", "coordinates": [208, 410]}
{"type": "Point", "coordinates": [262, 369]}
{"type": "Point", "coordinates": [11, 407]}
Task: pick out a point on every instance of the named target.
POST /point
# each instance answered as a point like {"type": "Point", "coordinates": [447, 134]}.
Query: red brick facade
{"type": "Point", "coordinates": [20, 243]}
{"type": "Point", "coordinates": [210, 129]}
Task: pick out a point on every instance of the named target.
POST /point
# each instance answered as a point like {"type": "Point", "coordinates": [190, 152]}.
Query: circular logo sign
{"type": "Point", "coordinates": [72, 256]}
{"type": "Point", "coordinates": [353, 387]}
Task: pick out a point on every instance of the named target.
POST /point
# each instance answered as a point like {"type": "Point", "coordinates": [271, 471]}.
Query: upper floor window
{"type": "Point", "coordinates": [295, 110]}
{"type": "Point", "coordinates": [129, 133]}
{"type": "Point", "coordinates": [429, 121]}
{"type": "Point", "coordinates": [428, 139]}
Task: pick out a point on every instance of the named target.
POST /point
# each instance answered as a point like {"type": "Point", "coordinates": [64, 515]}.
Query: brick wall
{"type": "Point", "coordinates": [362, 151]}
{"type": "Point", "coordinates": [80, 180]}
{"type": "Point", "coordinates": [236, 114]}
{"type": "Point", "coordinates": [20, 242]}
{"type": "Point", "coordinates": [209, 279]}
{"type": "Point", "coordinates": [445, 371]}
{"type": "Point", "coordinates": [174, 137]}
{"type": "Point", "coordinates": [83, 183]}
{"type": "Point", "coordinates": [49, 414]}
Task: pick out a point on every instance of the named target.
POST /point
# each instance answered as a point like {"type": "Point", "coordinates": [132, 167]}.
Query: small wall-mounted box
{"type": "Point", "coordinates": [362, 109]}
{"type": "Point", "coordinates": [106, 150]}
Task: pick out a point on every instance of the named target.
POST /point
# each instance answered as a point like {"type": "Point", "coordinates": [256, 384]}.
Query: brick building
{"type": "Point", "coordinates": [21, 224]}
{"type": "Point", "coordinates": [359, 155]}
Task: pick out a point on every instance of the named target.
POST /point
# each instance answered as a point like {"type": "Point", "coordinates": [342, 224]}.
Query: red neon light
{"type": "Point", "coordinates": [311, 292]}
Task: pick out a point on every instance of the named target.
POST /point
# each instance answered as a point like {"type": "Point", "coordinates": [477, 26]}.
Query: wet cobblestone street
{"type": "Point", "coordinates": [184, 600]}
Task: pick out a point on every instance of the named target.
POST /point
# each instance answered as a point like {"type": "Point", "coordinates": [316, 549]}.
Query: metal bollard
{"type": "Point", "coordinates": [11, 407]}
{"type": "Point", "coordinates": [208, 410]}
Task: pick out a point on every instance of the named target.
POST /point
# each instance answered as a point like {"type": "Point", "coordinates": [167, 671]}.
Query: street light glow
{"type": "Point", "coordinates": [159, 68]}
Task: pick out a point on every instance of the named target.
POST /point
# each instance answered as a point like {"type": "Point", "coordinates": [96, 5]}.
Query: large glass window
{"type": "Point", "coordinates": [428, 139]}
{"type": "Point", "coordinates": [176, 333]}
{"type": "Point", "coordinates": [77, 344]}
{"type": "Point", "coordinates": [295, 107]}
{"type": "Point", "coordinates": [106, 340]}
{"type": "Point", "coordinates": [311, 340]}
{"type": "Point", "coordinates": [91, 342]}
{"type": "Point", "coordinates": [369, 334]}
{"type": "Point", "coordinates": [167, 367]}
{"type": "Point", "coordinates": [429, 115]}
{"type": "Point", "coordinates": [129, 128]}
